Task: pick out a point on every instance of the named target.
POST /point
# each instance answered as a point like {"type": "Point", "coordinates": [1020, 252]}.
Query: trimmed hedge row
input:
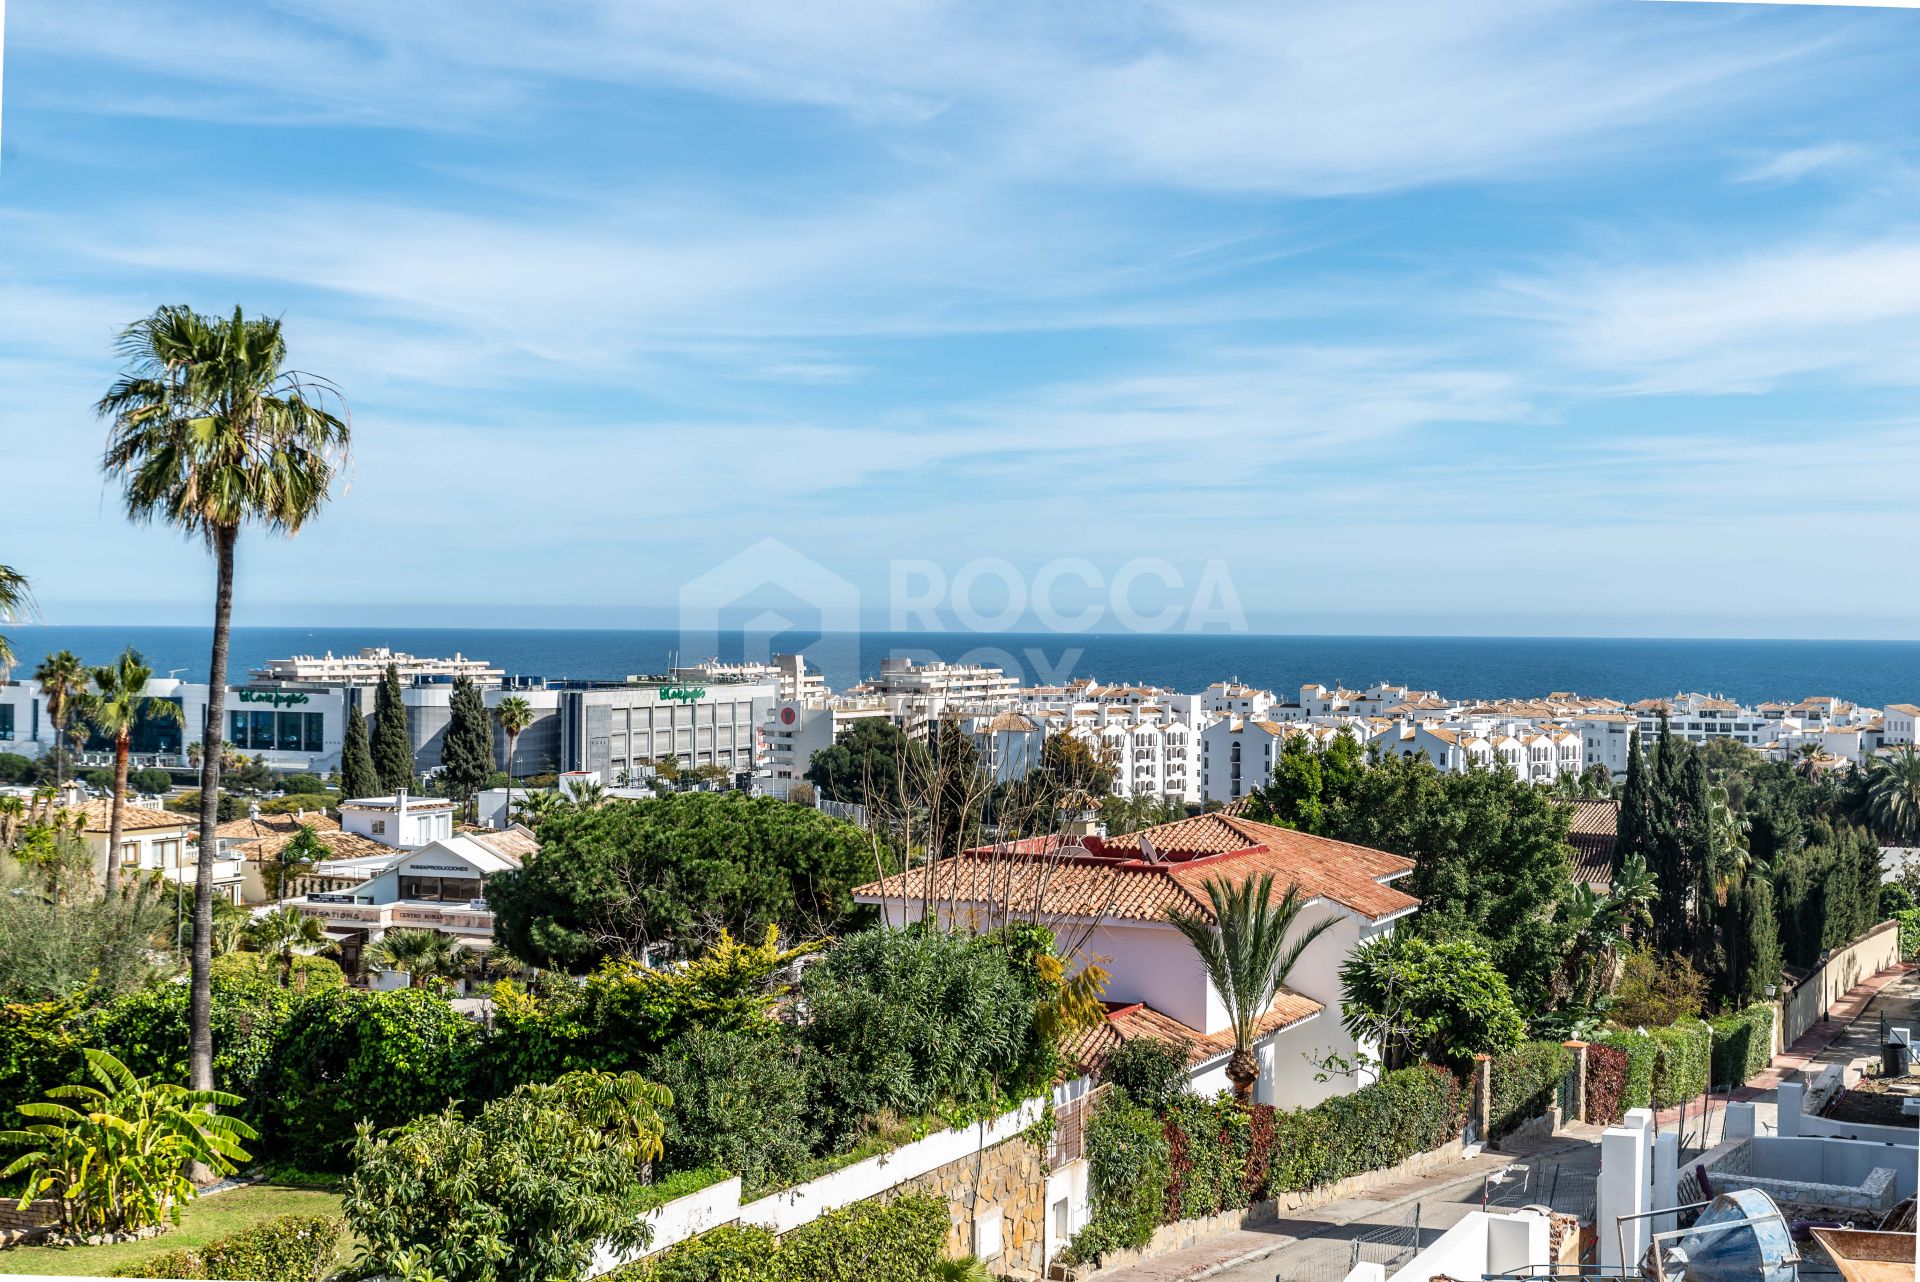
{"type": "Point", "coordinates": [287, 1248]}
{"type": "Point", "coordinates": [1681, 1067]}
{"type": "Point", "coordinates": [1525, 1083]}
{"type": "Point", "coordinates": [1742, 1045]}
{"type": "Point", "coordinates": [897, 1241]}
{"type": "Point", "coordinates": [1197, 1157]}
{"type": "Point", "coordinates": [1636, 1079]}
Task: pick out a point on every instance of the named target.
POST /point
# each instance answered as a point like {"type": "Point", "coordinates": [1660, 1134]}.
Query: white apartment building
{"type": "Point", "coordinates": [1233, 699]}
{"type": "Point", "coordinates": [368, 667]}
{"type": "Point", "coordinates": [1699, 717]}
{"type": "Point", "coordinates": [1899, 724]}
{"type": "Point", "coordinates": [1606, 738]}
{"type": "Point", "coordinates": [792, 680]}
{"type": "Point", "coordinates": [399, 821]}
{"type": "Point", "coordinates": [795, 731]}
{"type": "Point", "coordinates": [930, 689]}
{"type": "Point", "coordinates": [153, 841]}
{"type": "Point", "coordinates": [1536, 755]}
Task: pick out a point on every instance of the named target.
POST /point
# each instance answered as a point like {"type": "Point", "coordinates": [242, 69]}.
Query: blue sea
{"type": "Point", "coordinates": [1871, 672]}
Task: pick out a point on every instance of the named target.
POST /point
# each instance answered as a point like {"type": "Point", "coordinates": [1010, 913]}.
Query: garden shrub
{"type": "Point", "coordinates": [1636, 1086]}
{"type": "Point", "coordinates": [346, 1057]}
{"type": "Point", "coordinates": [1909, 920]}
{"type": "Point", "coordinates": [1406, 1112]}
{"type": "Point", "coordinates": [147, 1031]}
{"type": "Point", "coordinates": [1209, 1143]}
{"type": "Point", "coordinates": [1203, 1156]}
{"type": "Point", "coordinates": [1151, 1072]}
{"type": "Point", "coordinates": [1127, 1174]}
{"type": "Point", "coordinates": [1742, 1044]}
{"type": "Point", "coordinates": [38, 1049]}
{"type": "Point", "coordinates": [915, 1021]}
{"type": "Point", "coordinates": [1681, 1067]}
{"type": "Point", "coordinates": [896, 1241]}
{"type": "Point", "coordinates": [739, 1102]}
{"type": "Point", "coordinates": [1525, 1084]}
{"type": "Point", "coordinates": [1607, 1068]}
{"type": "Point", "coordinates": [287, 1248]}
{"type": "Point", "coordinates": [522, 1193]}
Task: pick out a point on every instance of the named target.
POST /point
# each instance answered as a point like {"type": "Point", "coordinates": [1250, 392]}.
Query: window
{"type": "Point", "coordinates": [6, 721]}
{"type": "Point", "coordinates": [129, 853]}
{"type": "Point", "coordinates": [379, 827]}
{"type": "Point", "coordinates": [442, 889]}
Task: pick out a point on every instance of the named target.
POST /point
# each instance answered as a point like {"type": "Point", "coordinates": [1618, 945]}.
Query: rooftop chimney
{"type": "Point", "coordinates": [253, 811]}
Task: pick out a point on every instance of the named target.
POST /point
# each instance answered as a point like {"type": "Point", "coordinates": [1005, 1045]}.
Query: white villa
{"type": "Point", "coordinates": [1122, 887]}
{"type": "Point", "coordinates": [154, 841]}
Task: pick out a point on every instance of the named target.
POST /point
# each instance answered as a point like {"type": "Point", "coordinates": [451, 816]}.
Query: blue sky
{"type": "Point", "coordinates": [1532, 318]}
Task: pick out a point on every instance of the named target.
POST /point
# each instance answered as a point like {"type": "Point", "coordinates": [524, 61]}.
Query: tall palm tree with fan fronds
{"type": "Point", "coordinates": [1243, 944]}
{"type": "Point", "coordinates": [212, 431]}
{"type": "Point", "coordinates": [63, 680]}
{"type": "Point", "coordinates": [118, 701]}
{"type": "Point", "coordinates": [514, 715]}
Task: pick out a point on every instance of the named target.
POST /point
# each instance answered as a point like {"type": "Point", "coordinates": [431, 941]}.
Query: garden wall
{"type": "Point", "coordinates": [988, 1172]}
{"type": "Point", "coordinates": [1807, 1002]}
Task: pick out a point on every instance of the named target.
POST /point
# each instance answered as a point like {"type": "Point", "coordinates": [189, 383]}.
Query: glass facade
{"type": "Point", "coordinates": [447, 889]}
{"type": "Point", "coordinates": [151, 734]}
{"type": "Point", "coordinates": [255, 730]}
{"type": "Point", "coordinates": [6, 721]}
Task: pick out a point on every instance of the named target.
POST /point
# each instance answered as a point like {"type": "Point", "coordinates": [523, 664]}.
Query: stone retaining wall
{"type": "Point", "coordinates": [1005, 1186]}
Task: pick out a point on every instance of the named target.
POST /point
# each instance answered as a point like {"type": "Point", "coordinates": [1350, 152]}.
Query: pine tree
{"type": "Point", "coordinates": [466, 758]}
{"type": "Point", "coordinates": [357, 777]}
{"type": "Point", "coordinates": [392, 750]}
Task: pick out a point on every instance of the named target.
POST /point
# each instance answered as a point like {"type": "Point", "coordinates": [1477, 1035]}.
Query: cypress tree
{"type": "Point", "coordinates": [392, 750]}
{"type": "Point", "coordinates": [467, 758]}
{"type": "Point", "coordinates": [357, 777]}
{"type": "Point", "coordinates": [1762, 939]}
{"type": "Point", "coordinates": [1635, 809]}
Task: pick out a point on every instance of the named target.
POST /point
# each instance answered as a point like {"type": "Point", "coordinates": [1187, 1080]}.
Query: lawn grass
{"type": "Point", "coordinates": [201, 1222]}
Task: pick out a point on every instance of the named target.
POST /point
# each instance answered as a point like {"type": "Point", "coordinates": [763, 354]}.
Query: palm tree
{"type": "Point", "coordinates": [231, 922]}
{"type": "Point", "coordinates": [302, 851]}
{"type": "Point", "coordinates": [586, 794]}
{"type": "Point", "coordinates": [1243, 944]}
{"type": "Point", "coordinates": [15, 600]}
{"type": "Point", "coordinates": [118, 703]}
{"type": "Point", "coordinates": [424, 955]}
{"type": "Point", "coordinates": [1603, 928]}
{"type": "Point", "coordinates": [1807, 758]}
{"type": "Point", "coordinates": [1893, 796]}
{"type": "Point", "coordinates": [13, 813]}
{"type": "Point", "coordinates": [210, 430]}
{"type": "Point", "coordinates": [536, 807]}
{"type": "Point", "coordinates": [281, 931]}
{"type": "Point", "coordinates": [514, 715]}
{"type": "Point", "coordinates": [63, 679]}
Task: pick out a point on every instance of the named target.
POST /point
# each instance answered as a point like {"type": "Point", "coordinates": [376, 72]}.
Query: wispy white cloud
{"type": "Point", "coordinates": [1796, 163]}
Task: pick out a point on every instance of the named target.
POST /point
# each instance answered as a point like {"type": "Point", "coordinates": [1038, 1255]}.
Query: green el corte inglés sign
{"type": "Point", "coordinates": [683, 694]}
{"type": "Point", "coordinates": [278, 698]}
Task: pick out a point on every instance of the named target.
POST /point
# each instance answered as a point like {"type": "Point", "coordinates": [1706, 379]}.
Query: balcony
{"type": "Point", "coordinates": [467, 918]}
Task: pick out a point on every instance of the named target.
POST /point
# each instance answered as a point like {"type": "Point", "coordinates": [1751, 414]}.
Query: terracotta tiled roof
{"type": "Point", "coordinates": [99, 813]}
{"type": "Point", "coordinates": [1113, 877]}
{"type": "Point", "coordinates": [250, 829]}
{"type": "Point", "coordinates": [1129, 1022]}
{"type": "Point", "coordinates": [516, 842]}
{"type": "Point", "coordinates": [1592, 829]}
{"type": "Point", "coordinates": [339, 844]}
{"type": "Point", "coordinates": [1904, 709]}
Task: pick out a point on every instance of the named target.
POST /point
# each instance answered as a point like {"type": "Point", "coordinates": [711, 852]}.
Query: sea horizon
{"type": "Point", "coordinates": [1751, 670]}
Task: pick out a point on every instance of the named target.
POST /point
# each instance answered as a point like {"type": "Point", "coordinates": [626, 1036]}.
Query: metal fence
{"type": "Point", "coordinates": [1389, 1245]}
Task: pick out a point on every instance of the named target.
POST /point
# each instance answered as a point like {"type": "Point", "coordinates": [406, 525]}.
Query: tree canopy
{"type": "Point", "coordinates": [616, 879]}
{"type": "Point", "coordinates": [392, 748]}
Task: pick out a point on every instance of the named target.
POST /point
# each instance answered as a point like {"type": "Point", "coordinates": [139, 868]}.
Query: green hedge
{"type": "Point", "coordinates": [1641, 1052]}
{"type": "Point", "coordinates": [288, 1248]}
{"type": "Point", "coordinates": [1197, 1157]}
{"type": "Point", "coordinates": [1680, 1070]}
{"type": "Point", "coordinates": [1409, 1111]}
{"type": "Point", "coordinates": [897, 1241]}
{"type": "Point", "coordinates": [1742, 1045]}
{"type": "Point", "coordinates": [1128, 1167]}
{"type": "Point", "coordinates": [1525, 1083]}
{"type": "Point", "coordinates": [1909, 920]}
